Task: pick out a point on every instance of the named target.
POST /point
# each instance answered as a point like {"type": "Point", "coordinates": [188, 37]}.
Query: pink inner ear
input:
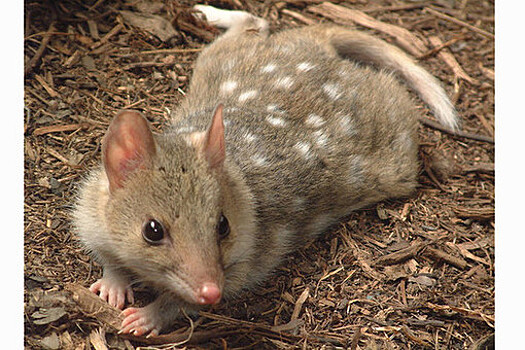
{"type": "Point", "coordinates": [128, 145]}
{"type": "Point", "coordinates": [214, 146]}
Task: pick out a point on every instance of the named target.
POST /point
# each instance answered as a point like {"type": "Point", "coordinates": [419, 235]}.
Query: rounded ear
{"type": "Point", "coordinates": [127, 146]}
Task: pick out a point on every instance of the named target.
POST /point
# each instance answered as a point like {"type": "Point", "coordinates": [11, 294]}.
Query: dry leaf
{"type": "Point", "coordinates": [45, 316]}
{"type": "Point", "coordinates": [424, 280]}
{"type": "Point", "coordinates": [51, 342]}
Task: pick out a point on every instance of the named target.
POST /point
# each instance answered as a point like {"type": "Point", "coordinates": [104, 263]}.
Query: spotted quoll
{"type": "Point", "coordinates": [278, 138]}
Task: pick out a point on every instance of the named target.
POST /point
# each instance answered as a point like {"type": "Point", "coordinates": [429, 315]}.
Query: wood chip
{"type": "Point", "coordinates": [299, 303]}
{"type": "Point", "coordinates": [481, 214]}
{"type": "Point", "coordinates": [401, 255]}
{"type": "Point", "coordinates": [437, 254]}
{"type": "Point", "coordinates": [93, 29]}
{"type": "Point", "coordinates": [46, 86]}
{"type": "Point", "coordinates": [97, 338]}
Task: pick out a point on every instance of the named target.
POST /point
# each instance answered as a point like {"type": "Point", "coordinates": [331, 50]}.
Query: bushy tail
{"type": "Point", "coordinates": [368, 49]}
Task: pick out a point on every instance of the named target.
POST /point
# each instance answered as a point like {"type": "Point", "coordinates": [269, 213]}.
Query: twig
{"type": "Point", "coordinates": [485, 123]}
{"type": "Point", "coordinates": [40, 51]}
{"type": "Point", "coordinates": [468, 255]}
{"type": "Point", "coordinates": [59, 128]}
{"type": "Point", "coordinates": [450, 60]}
{"type": "Point", "coordinates": [433, 177]}
{"type": "Point", "coordinates": [437, 254]}
{"type": "Point", "coordinates": [475, 315]}
{"type": "Point", "coordinates": [394, 8]}
{"type": "Point", "coordinates": [114, 31]}
{"type": "Point", "coordinates": [95, 5]}
{"type": "Point", "coordinates": [432, 323]}
{"type": "Point", "coordinates": [459, 133]}
{"type": "Point", "coordinates": [410, 335]}
{"type": "Point", "coordinates": [153, 52]}
{"type": "Point", "coordinates": [485, 168]}
{"type": "Point", "coordinates": [147, 64]}
{"type": "Point", "coordinates": [46, 86]}
{"type": "Point", "coordinates": [459, 22]}
{"type": "Point", "coordinates": [442, 46]}
{"type": "Point", "coordinates": [401, 255]}
{"type": "Point", "coordinates": [299, 17]}
{"type": "Point", "coordinates": [489, 73]}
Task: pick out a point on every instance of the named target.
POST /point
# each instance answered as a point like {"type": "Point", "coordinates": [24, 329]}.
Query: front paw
{"type": "Point", "coordinates": [141, 321]}
{"type": "Point", "coordinates": [114, 291]}
{"type": "Point", "coordinates": [155, 317]}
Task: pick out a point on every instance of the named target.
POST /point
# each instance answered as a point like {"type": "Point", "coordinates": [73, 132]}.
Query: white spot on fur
{"type": "Point", "coordinates": [185, 129]}
{"type": "Point", "coordinates": [343, 72]}
{"type": "Point", "coordinates": [346, 125]}
{"type": "Point", "coordinates": [332, 90]}
{"type": "Point", "coordinates": [249, 137]}
{"type": "Point", "coordinates": [304, 149]}
{"type": "Point", "coordinates": [284, 82]}
{"type": "Point", "coordinates": [319, 224]}
{"type": "Point", "coordinates": [298, 203]}
{"type": "Point", "coordinates": [275, 109]}
{"type": "Point", "coordinates": [320, 138]}
{"type": "Point", "coordinates": [230, 64]}
{"type": "Point", "coordinates": [305, 66]}
{"type": "Point", "coordinates": [270, 67]}
{"type": "Point", "coordinates": [248, 95]}
{"type": "Point", "coordinates": [228, 86]}
{"type": "Point", "coordinates": [276, 121]}
{"type": "Point", "coordinates": [356, 177]}
{"type": "Point", "coordinates": [231, 109]}
{"type": "Point", "coordinates": [314, 120]}
{"type": "Point", "coordinates": [283, 239]}
{"type": "Point", "coordinates": [403, 141]}
{"type": "Point", "coordinates": [259, 160]}
{"type": "Point", "coordinates": [272, 108]}
{"type": "Point", "coordinates": [285, 48]}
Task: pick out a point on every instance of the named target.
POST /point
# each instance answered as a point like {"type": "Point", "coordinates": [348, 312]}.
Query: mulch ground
{"type": "Point", "coordinates": [414, 273]}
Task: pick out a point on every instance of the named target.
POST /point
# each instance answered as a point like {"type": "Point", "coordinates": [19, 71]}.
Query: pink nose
{"type": "Point", "coordinates": [209, 293]}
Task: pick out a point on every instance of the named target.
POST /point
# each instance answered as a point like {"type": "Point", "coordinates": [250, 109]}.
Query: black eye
{"type": "Point", "coordinates": [223, 227]}
{"type": "Point", "coordinates": [153, 231]}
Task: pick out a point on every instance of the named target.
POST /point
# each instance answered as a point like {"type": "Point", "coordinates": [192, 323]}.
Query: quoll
{"type": "Point", "coordinates": [278, 138]}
